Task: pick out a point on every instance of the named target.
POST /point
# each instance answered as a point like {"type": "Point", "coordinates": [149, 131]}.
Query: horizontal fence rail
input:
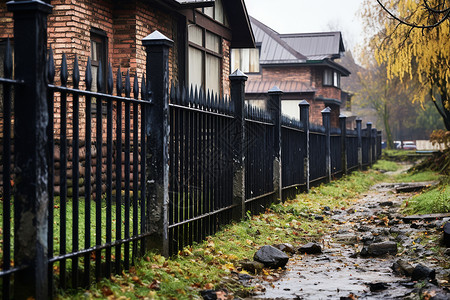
{"type": "Point", "coordinates": [97, 169]}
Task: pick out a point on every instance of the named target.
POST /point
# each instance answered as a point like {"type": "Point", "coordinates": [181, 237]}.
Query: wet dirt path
{"type": "Point", "coordinates": [340, 272]}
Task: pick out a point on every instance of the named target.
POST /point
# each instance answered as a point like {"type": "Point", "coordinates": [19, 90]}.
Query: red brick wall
{"type": "Point", "coordinates": [226, 67]}
{"type": "Point", "coordinates": [6, 22]}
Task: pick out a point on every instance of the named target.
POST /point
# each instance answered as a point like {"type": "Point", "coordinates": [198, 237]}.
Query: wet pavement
{"type": "Point", "coordinates": [340, 272]}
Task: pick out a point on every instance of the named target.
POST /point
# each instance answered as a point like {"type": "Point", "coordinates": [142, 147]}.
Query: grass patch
{"type": "Point", "coordinates": [436, 200]}
{"type": "Point", "coordinates": [418, 176]}
{"type": "Point", "coordinates": [209, 264]}
{"type": "Point", "coordinates": [386, 165]}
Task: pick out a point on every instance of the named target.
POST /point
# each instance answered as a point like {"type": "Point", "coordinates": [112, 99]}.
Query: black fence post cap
{"type": "Point", "coordinates": [275, 90]}
{"type": "Point", "coordinates": [303, 103]}
{"type": "Point", "coordinates": [238, 75]}
{"type": "Point", "coordinates": [342, 116]}
{"type": "Point", "coordinates": [358, 120]}
{"type": "Point", "coordinates": [156, 38]}
{"type": "Point", "coordinates": [369, 124]}
{"type": "Point", "coordinates": [39, 5]}
{"type": "Point", "coordinates": [326, 110]}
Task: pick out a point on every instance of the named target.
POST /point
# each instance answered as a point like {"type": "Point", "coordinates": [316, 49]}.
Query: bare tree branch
{"type": "Point", "coordinates": [445, 17]}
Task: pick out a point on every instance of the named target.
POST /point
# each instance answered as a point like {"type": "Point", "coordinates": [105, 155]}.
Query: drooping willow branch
{"type": "Point", "coordinates": [446, 13]}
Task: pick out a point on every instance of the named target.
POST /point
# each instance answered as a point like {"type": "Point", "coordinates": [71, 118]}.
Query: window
{"type": "Point", "coordinates": [331, 78]}
{"type": "Point", "coordinates": [246, 60]}
{"type": "Point", "coordinates": [205, 59]}
{"type": "Point", "coordinates": [98, 55]}
{"type": "Point", "coordinates": [215, 12]}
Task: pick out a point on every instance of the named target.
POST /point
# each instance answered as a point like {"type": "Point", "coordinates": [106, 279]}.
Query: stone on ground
{"type": "Point", "coordinates": [271, 257]}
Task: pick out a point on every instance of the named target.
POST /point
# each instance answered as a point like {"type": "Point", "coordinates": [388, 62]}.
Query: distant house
{"type": "Point", "coordinates": [302, 65]}
{"type": "Point", "coordinates": [109, 31]}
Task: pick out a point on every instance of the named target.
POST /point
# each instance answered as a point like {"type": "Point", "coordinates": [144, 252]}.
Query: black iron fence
{"type": "Point", "coordinates": [92, 180]}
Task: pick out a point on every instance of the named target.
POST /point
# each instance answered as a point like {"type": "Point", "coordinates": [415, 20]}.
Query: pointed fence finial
{"type": "Point", "coordinates": [50, 65]}
{"type": "Point", "coordinates": [64, 73]}
{"type": "Point", "coordinates": [88, 77]}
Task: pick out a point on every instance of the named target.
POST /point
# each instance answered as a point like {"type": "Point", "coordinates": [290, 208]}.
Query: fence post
{"type": "Point", "coordinates": [375, 144]}
{"type": "Point", "coordinates": [275, 109]}
{"type": "Point", "coordinates": [369, 135]}
{"type": "Point", "coordinates": [326, 121]}
{"type": "Point", "coordinates": [358, 131]}
{"type": "Point", "coordinates": [304, 118]}
{"type": "Point", "coordinates": [157, 127]}
{"type": "Point", "coordinates": [343, 125]}
{"type": "Point", "coordinates": [31, 149]}
{"type": "Point", "coordinates": [238, 80]}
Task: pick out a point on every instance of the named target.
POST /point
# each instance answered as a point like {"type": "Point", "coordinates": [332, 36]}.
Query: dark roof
{"type": "Point", "coordinates": [298, 48]}
{"type": "Point", "coordinates": [258, 86]}
{"type": "Point", "coordinates": [240, 24]}
{"type": "Point", "coordinates": [273, 48]}
{"type": "Point", "coordinates": [318, 45]}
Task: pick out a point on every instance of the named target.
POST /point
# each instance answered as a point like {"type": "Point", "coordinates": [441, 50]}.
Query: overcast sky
{"type": "Point", "coordinates": [302, 16]}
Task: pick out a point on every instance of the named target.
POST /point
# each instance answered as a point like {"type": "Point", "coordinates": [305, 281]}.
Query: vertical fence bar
{"type": "Point", "coordinates": [76, 175]}
{"type": "Point", "coordinates": [63, 174]}
{"type": "Point", "coordinates": [146, 96]}
{"type": "Point", "coordinates": [358, 132]}
{"type": "Point", "coordinates": [126, 250]}
{"type": "Point", "coordinates": [343, 125]}
{"type": "Point", "coordinates": [157, 48]}
{"type": "Point", "coordinates": [30, 149]}
{"type": "Point", "coordinates": [275, 110]}
{"type": "Point", "coordinates": [7, 104]}
{"type": "Point", "coordinates": [88, 189]}
{"type": "Point", "coordinates": [304, 118]}
{"type": "Point", "coordinates": [118, 250]}
{"type": "Point", "coordinates": [109, 170]}
{"type": "Point", "coordinates": [51, 163]}
{"type": "Point", "coordinates": [238, 80]}
{"type": "Point", "coordinates": [326, 120]}
{"type": "Point", "coordinates": [135, 167]}
{"type": "Point", "coordinates": [98, 174]}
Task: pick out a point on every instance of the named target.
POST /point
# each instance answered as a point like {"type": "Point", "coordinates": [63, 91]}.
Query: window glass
{"type": "Point", "coordinates": [212, 42]}
{"type": "Point", "coordinates": [196, 67]}
{"type": "Point", "coordinates": [253, 60]}
{"type": "Point", "coordinates": [218, 11]}
{"type": "Point", "coordinates": [246, 60]}
{"type": "Point", "coordinates": [327, 77]}
{"type": "Point", "coordinates": [195, 34]}
{"type": "Point", "coordinates": [209, 11]}
{"type": "Point", "coordinates": [205, 59]}
{"type": "Point", "coordinates": [337, 79]}
{"type": "Point", "coordinates": [212, 73]}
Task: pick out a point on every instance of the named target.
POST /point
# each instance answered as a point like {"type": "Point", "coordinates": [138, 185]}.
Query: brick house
{"type": "Point", "coordinates": [111, 31]}
{"type": "Point", "coordinates": [302, 65]}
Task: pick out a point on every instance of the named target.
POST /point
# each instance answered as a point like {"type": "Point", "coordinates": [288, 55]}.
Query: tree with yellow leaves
{"type": "Point", "coordinates": [415, 43]}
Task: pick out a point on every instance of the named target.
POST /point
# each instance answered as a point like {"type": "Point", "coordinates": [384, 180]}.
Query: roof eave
{"type": "Point", "coordinates": [239, 20]}
{"type": "Point", "coordinates": [326, 62]}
